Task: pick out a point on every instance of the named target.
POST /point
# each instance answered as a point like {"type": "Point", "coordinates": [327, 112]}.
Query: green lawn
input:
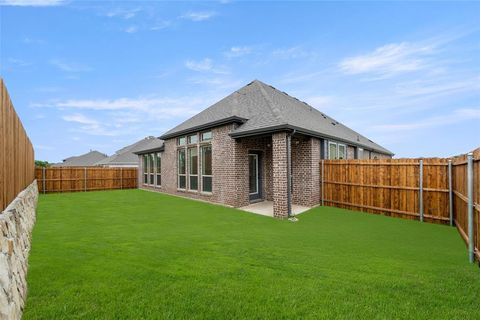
{"type": "Point", "coordinates": [133, 254]}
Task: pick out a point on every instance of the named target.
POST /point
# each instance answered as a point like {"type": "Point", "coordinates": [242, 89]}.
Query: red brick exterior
{"type": "Point", "coordinates": [230, 169]}
{"type": "Point", "coordinates": [305, 171]}
{"type": "Point", "coordinates": [279, 172]}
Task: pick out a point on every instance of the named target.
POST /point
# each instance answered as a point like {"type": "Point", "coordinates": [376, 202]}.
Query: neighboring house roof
{"type": "Point", "coordinates": [85, 160]}
{"type": "Point", "coordinates": [154, 144]}
{"type": "Point", "coordinates": [127, 155]}
{"type": "Point", "coordinates": [260, 108]}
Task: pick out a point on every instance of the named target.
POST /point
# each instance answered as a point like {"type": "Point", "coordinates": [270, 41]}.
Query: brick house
{"type": "Point", "coordinates": [251, 146]}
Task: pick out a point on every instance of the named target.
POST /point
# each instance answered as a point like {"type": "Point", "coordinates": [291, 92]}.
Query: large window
{"type": "Point", "coordinates": [181, 141]}
{"type": "Point", "coordinates": [206, 136]}
{"type": "Point", "coordinates": [342, 151]}
{"type": "Point", "coordinates": [193, 139]}
{"type": "Point", "coordinates": [158, 171]}
{"type": "Point", "coordinates": [182, 170]}
{"type": "Point", "coordinates": [151, 169]}
{"type": "Point", "coordinates": [193, 168]}
{"type": "Point", "coordinates": [337, 150]}
{"type": "Point", "coordinates": [206, 152]}
{"type": "Point", "coordinates": [332, 150]}
{"type": "Point", "coordinates": [145, 169]}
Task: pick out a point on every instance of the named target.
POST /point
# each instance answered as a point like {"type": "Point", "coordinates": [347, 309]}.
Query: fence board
{"type": "Point", "coordinates": [16, 152]}
{"type": "Point", "coordinates": [391, 187]}
{"type": "Point", "coordinates": [71, 179]}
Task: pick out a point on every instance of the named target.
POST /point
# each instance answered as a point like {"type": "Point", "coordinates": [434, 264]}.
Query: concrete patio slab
{"type": "Point", "coordinates": [265, 208]}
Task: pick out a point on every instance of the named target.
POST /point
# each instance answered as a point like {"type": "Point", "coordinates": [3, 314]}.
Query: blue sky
{"type": "Point", "coordinates": [101, 75]}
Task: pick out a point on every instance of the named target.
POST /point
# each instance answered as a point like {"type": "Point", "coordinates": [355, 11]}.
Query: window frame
{"type": "Point", "coordinates": [189, 169]}
{"type": "Point", "coordinates": [335, 156]}
{"type": "Point", "coordinates": [189, 141]}
{"type": "Point", "coordinates": [158, 169]}
{"type": "Point", "coordinates": [202, 161]}
{"type": "Point", "coordinates": [344, 151]}
{"type": "Point", "coordinates": [179, 175]}
{"type": "Point", "coordinates": [179, 141]}
{"type": "Point", "coordinates": [202, 139]}
{"type": "Point", "coordinates": [145, 169]}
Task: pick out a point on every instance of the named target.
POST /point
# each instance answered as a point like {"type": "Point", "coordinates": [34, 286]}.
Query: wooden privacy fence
{"type": "Point", "coordinates": [71, 179]}
{"type": "Point", "coordinates": [16, 152]}
{"type": "Point", "coordinates": [430, 189]}
{"type": "Point", "coordinates": [466, 199]}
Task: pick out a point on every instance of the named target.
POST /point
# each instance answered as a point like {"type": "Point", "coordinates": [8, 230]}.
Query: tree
{"type": "Point", "coordinates": [43, 164]}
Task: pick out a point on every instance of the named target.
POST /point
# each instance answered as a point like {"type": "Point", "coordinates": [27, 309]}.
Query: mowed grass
{"type": "Point", "coordinates": [133, 254]}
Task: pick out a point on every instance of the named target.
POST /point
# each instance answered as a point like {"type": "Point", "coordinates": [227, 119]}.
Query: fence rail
{"type": "Point", "coordinates": [71, 179]}
{"type": "Point", "coordinates": [16, 152]}
{"type": "Point", "coordinates": [432, 190]}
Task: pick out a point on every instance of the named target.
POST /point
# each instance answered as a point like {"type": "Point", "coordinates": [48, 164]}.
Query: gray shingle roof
{"type": "Point", "coordinates": [154, 144]}
{"type": "Point", "coordinates": [127, 156]}
{"type": "Point", "coordinates": [85, 160]}
{"type": "Point", "coordinates": [262, 108]}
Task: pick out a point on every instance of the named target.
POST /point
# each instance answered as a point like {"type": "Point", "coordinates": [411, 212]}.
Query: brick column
{"type": "Point", "coordinates": [279, 163]}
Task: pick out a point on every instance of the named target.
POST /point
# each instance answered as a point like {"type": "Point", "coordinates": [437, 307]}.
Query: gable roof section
{"type": "Point", "coordinates": [260, 108]}
{"type": "Point", "coordinates": [127, 155]}
{"type": "Point", "coordinates": [85, 160]}
{"type": "Point", "coordinates": [154, 144]}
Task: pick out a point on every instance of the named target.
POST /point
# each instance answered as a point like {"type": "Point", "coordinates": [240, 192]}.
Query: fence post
{"type": "Point", "coordinates": [321, 181]}
{"type": "Point", "coordinates": [121, 178]}
{"type": "Point", "coordinates": [470, 206]}
{"type": "Point", "coordinates": [420, 191]}
{"type": "Point", "coordinates": [450, 192]}
{"type": "Point", "coordinates": [85, 179]}
{"type": "Point", "coordinates": [43, 180]}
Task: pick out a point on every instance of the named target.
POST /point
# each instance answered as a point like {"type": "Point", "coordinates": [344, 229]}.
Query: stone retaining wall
{"type": "Point", "coordinates": [16, 224]}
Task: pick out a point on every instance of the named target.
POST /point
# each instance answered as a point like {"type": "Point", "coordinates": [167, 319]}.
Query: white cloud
{"type": "Point", "coordinates": [123, 13]}
{"type": "Point", "coordinates": [131, 29]}
{"type": "Point", "coordinates": [19, 62]}
{"type": "Point", "coordinates": [295, 52]}
{"type": "Point", "coordinates": [205, 65]}
{"type": "Point", "coordinates": [458, 116]}
{"type": "Point", "coordinates": [198, 15]}
{"type": "Point", "coordinates": [79, 118]}
{"type": "Point", "coordinates": [389, 59]}
{"type": "Point", "coordinates": [235, 52]}
{"type": "Point", "coordinates": [69, 66]}
{"type": "Point", "coordinates": [33, 3]}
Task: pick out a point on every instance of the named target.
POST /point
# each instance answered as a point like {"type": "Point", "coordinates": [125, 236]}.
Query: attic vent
{"type": "Point", "coordinates": [334, 123]}
{"type": "Point", "coordinates": [358, 138]}
{"type": "Point", "coordinates": [370, 141]}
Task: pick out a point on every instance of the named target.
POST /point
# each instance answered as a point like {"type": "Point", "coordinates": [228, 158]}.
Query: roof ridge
{"type": "Point", "coordinates": [271, 105]}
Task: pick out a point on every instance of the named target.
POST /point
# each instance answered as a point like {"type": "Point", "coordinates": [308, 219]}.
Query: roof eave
{"type": "Point", "coordinates": [284, 127]}
{"type": "Point", "coordinates": [159, 149]}
{"type": "Point", "coordinates": [232, 119]}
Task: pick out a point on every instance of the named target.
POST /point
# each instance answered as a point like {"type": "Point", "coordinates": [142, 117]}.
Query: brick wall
{"type": "Point", "coordinates": [279, 172]}
{"type": "Point", "coordinates": [305, 171]}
